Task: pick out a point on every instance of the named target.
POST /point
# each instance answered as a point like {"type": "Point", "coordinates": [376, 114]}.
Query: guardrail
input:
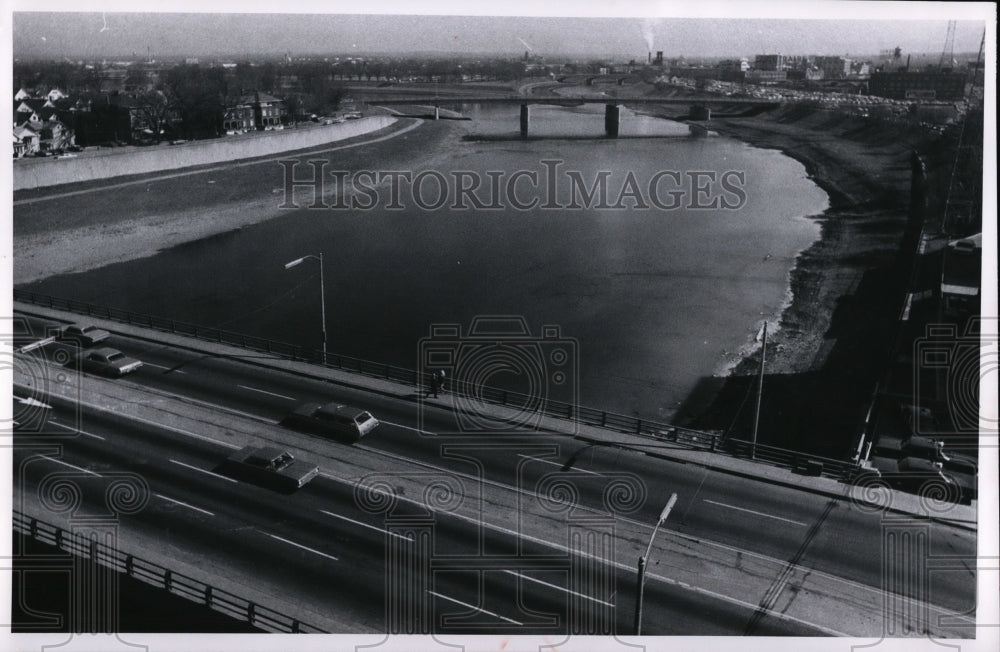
{"type": "Point", "coordinates": [638, 426]}
{"type": "Point", "coordinates": [160, 577]}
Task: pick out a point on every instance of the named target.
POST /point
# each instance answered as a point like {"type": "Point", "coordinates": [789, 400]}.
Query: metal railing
{"type": "Point", "coordinates": [653, 430]}
{"type": "Point", "coordinates": [160, 577]}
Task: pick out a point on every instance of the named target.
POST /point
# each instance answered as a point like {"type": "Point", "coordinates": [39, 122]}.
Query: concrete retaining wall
{"type": "Point", "coordinates": [38, 173]}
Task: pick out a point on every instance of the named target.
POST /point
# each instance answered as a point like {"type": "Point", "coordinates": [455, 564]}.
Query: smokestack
{"type": "Point", "coordinates": [649, 57]}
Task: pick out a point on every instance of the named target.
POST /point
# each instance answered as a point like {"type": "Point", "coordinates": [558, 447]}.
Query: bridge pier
{"type": "Point", "coordinates": [524, 120]}
{"type": "Point", "coordinates": [699, 112]}
{"type": "Point", "coordinates": [612, 119]}
{"type": "Point", "coordinates": [437, 112]}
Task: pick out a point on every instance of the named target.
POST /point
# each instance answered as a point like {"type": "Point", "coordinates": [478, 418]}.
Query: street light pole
{"type": "Point", "coordinates": [641, 579]}
{"type": "Point", "coordinates": [322, 292]}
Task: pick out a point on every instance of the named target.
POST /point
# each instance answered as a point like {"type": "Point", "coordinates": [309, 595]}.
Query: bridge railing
{"type": "Point", "coordinates": [79, 545]}
{"type": "Point", "coordinates": [634, 425]}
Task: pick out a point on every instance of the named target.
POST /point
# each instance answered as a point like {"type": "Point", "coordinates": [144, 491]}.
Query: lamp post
{"type": "Point", "coordinates": [641, 580]}
{"type": "Point", "coordinates": [322, 292]}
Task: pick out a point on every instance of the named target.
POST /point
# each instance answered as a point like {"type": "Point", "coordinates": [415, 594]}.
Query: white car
{"type": "Point", "coordinates": [84, 334]}
{"type": "Point", "coordinates": [108, 362]}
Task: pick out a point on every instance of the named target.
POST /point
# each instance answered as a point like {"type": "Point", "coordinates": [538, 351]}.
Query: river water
{"type": "Point", "coordinates": [646, 300]}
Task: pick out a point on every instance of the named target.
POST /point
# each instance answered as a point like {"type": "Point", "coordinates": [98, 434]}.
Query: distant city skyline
{"type": "Point", "coordinates": [55, 35]}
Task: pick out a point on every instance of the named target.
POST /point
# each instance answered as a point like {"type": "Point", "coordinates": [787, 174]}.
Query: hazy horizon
{"type": "Point", "coordinates": [54, 35]}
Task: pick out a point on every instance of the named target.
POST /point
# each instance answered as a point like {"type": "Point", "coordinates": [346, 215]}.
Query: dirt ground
{"type": "Point", "coordinates": [847, 289]}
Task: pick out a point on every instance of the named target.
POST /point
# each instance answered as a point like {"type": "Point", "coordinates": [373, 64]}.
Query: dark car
{"type": "Point", "coordinates": [332, 420]}
{"type": "Point", "coordinates": [929, 449]}
{"type": "Point", "coordinates": [84, 334]}
{"type": "Point", "coordinates": [270, 467]}
{"type": "Point", "coordinates": [927, 477]}
{"type": "Point", "coordinates": [108, 362]}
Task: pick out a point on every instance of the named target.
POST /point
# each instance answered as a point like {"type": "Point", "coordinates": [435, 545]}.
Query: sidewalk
{"type": "Point", "coordinates": [964, 516]}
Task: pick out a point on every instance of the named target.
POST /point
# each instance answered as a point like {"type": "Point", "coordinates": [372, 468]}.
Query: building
{"type": "Point", "coordinates": [267, 111]}
{"type": "Point", "coordinates": [932, 85]}
{"type": "Point", "coordinates": [733, 69]}
{"type": "Point", "coordinates": [769, 62]}
{"type": "Point", "coordinates": [238, 116]}
{"type": "Point", "coordinates": [694, 72]}
{"type": "Point", "coordinates": [255, 111]}
{"type": "Point", "coordinates": [40, 123]}
{"type": "Point", "coordinates": [833, 67]}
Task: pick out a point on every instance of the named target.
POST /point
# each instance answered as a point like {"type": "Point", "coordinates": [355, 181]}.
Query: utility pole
{"type": "Point", "coordinates": [641, 579]}
{"type": "Point", "coordinates": [760, 388]}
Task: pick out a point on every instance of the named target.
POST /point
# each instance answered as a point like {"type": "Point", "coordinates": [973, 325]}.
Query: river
{"type": "Point", "coordinates": [647, 292]}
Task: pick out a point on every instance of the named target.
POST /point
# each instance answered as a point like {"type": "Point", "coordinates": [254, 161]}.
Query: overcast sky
{"type": "Point", "coordinates": [100, 35]}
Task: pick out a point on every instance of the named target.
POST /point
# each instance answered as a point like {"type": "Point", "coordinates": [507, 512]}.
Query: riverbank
{"type": "Point", "coordinates": [831, 344]}
{"type": "Point", "coordinates": [105, 164]}
{"type": "Point", "coordinates": [79, 227]}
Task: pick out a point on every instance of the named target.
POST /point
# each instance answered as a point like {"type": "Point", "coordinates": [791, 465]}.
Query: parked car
{"type": "Point", "coordinates": [332, 420]}
{"type": "Point", "coordinates": [83, 334]}
{"type": "Point", "coordinates": [922, 476]}
{"type": "Point", "coordinates": [270, 467]}
{"type": "Point", "coordinates": [108, 362]}
{"type": "Point", "coordinates": [929, 449]}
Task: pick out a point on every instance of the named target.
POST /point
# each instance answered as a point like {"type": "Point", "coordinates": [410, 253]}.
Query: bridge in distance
{"type": "Point", "coordinates": [700, 105]}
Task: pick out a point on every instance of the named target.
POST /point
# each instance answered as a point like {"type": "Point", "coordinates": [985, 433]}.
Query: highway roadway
{"type": "Point", "coordinates": [716, 512]}
{"type": "Point", "coordinates": [318, 546]}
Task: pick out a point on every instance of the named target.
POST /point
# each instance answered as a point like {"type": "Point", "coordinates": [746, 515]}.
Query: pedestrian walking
{"type": "Point", "coordinates": [430, 385]}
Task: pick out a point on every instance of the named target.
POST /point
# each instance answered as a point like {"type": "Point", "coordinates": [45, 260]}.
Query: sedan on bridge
{"type": "Point", "coordinates": [270, 467]}
{"type": "Point", "coordinates": [83, 334]}
{"type": "Point", "coordinates": [108, 362]}
{"type": "Point", "coordinates": [332, 420]}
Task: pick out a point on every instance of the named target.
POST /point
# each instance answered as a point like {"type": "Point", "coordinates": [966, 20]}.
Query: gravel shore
{"type": "Point", "coordinates": [823, 361]}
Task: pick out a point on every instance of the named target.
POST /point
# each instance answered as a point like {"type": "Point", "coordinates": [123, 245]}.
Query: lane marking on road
{"type": "Point", "coordinates": [171, 369]}
{"type": "Point", "coordinates": [474, 607]}
{"type": "Point", "coordinates": [399, 425]}
{"type": "Point", "coordinates": [750, 511]}
{"type": "Point", "coordinates": [195, 468]}
{"type": "Point", "coordinates": [166, 427]}
{"type": "Point", "coordinates": [539, 459]}
{"type": "Point", "coordinates": [224, 166]}
{"type": "Point", "coordinates": [183, 504]}
{"type": "Point", "coordinates": [299, 545]}
{"type": "Point", "coordinates": [371, 527]}
{"type": "Point", "coordinates": [72, 466]}
{"type": "Point", "coordinates": [77, 430]}
{"type": "Point", "coordinates": [264, 391]}
{"type": "Point", "coordinates": [561, 588]}
{"type": "Point", "coordinates": [619, 565]}
{"type": "Point", "coordinates": [215, 406]}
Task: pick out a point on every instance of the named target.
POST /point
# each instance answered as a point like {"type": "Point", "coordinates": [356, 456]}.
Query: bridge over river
{"type": "Point", "coordinates": [701, 106]}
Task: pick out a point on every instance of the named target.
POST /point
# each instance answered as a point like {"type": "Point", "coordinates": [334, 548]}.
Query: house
{"type": "Point", "coordinates": [26, 141]}
{"type": "Point", "coordinates": [238, 116]}
{"type": "Point", "coordinates": [267, 111]}
{"type": "Point", "coordinates": [256, 110]}
{"type": "Point", "coordinates": [41, 123]}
